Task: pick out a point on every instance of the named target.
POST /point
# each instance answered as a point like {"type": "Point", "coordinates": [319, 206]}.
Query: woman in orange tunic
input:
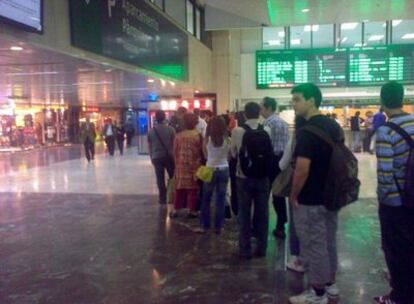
{"type": "Point", "coordinates": [188, 156]}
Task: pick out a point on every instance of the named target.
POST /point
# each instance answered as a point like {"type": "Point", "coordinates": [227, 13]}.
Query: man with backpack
{"type": "Point", "coordinates": [252, 146]}
{"type": "Point", "coordinates": [395, 153]}
{"type": "Point", "coordinates": [316, 226]}
{"type": "Point", "coordinates": [279, 137]}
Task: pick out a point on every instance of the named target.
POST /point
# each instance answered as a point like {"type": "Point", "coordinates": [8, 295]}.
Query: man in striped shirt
{"type": "Point", "coordinates": [397, 222]}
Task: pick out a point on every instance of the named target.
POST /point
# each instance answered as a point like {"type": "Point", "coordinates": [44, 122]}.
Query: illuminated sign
{"type": "Point", "coordinates": [23, 12]}
{"type": "Point", "coordinates": [334, 68]}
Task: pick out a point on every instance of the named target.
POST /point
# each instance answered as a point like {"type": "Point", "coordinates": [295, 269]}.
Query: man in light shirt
{"type": "Point", "coordinates": [202, 125]}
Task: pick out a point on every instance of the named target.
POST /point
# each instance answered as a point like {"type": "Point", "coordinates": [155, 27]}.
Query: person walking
{"type": "Point", "coordinates": [356, 122]}
{"type": "Point", "coordinates": [129, 130]}
{"type": "Point", "coordinates": [316, 227]}
{"type": "Point", "coordinates": [120, 136]}
{"type": "Point", "coordinates": [279, 136]}
{"type": "Point", "coordinates": [202, 124]}
{"type": "Point", "coordinates": [160, 143]}
{"type": "Point", "coordinates": [216, 147]}
{"type": "Point", "coordinates": [188, 155]}
{"type": "Point", "coordinates": [87, 138]}
{"type": "Point", "coordinates": [395, 154]}
{"type": "Point", "coordinates": [252, 146]}
{"type": "Point", "coordinates": [109, 133]}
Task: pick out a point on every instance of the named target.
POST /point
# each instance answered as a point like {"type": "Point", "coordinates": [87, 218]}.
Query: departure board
{"type": "Point", "coordinates": [279, 69]}
{"type": "Point", "coordinates": [375, 66]}
{"type": "Point", "coordinates": [335, 67]}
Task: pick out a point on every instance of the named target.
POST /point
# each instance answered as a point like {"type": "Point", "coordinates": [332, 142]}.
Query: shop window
{"type": "Point", "coordinates": [190, 17]}
{"type": "Point", "coordinates": [273, 38]}
{"type": "Point", "coordinates": [375, 33]}
{"type": "Point", "coordinates": [176, 9]}
{"type": "Point", "coordinates": [402, 31]}
{"type": "Point", "coordinates": [322, 35]}
{"type": "Point", "coordinates": [350, 34]}
{"type": "Point", "coordinates": [300, 36]}
{"type": "Point", "coordinates": [198, 23]}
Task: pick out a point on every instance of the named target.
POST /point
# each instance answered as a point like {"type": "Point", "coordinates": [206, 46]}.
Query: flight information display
{"type": "Point", "coordinates": [27, 13]}
{"type": "Point", "coordinates": [279, 69]}
{"type": "Point", "coordinates": [332, 68]}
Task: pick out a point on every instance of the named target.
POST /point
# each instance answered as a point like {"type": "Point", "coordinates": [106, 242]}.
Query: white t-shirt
{"type": "Point", "coordinates": [217, 157]}
{"type": "Point", "coordinates": [201, 126]}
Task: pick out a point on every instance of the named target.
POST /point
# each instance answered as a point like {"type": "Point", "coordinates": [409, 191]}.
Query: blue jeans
{"type": "Point", "coordinates": [253, 192]}
{"type": "Point", "coordinates": [356, 141]}
{"type": "Point", "coordinates": [218, 183]}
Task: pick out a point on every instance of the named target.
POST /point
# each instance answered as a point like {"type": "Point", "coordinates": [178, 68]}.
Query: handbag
{"type": "Point", "coordinates": [205, 174]}
{"type": "Point", "coordinates": [283, 183]}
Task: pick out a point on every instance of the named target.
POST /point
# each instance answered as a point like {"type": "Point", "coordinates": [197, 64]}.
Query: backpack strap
{"type": "Point", "coordinates": [319, 133]}
{"type": "Point", "coordinates": [402, 132]}
{"type": "Point", "coordinates": [246, 127]}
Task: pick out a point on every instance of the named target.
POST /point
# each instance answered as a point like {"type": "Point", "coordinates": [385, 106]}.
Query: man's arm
{"type": "Point", "coordinates": [300, 176]}
{"type": "Point", "coordinates": [233, 147]}
{"type": "Point", "coordinates": [385, 165]}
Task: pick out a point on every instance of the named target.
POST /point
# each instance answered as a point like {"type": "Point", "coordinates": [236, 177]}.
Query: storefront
{"type": "Point", "coordinates": [25, 126]}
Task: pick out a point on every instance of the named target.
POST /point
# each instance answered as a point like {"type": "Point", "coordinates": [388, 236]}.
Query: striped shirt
{"type": "Point", "coordinates": [279, 133]}
{"type": "Point", "coordinates": [392, 154]}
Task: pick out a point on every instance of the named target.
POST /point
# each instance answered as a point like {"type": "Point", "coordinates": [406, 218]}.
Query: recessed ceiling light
{"type": "Point", "coordinates": [305, 10]}
{"type": "Point", "coordinates": [396, 22]}
{"type": "Point", "coordinates": [281, 34]}
{"type": "Point", "coordinates": [295, 42]}
{"type": "Point", "coordinates": [408, 36]}
{"type": "Point", "coordinates": [359, 44]}
{"type": "Point", "coordinates": [274, 42]}
{"type": "Point", "coordinates": [16, 48]}
{"type": "Point", "coordinates": [349, 26]}
{"type": "Point", "coordinates": [150, 80]}
{"type": "Point", "coordinates": [344, 39]}
{"type": "Point", "coordinates": [376, 37]}
{"type": "Point", "coordinates": [313, 28]}
{"type": "Point", "coordinates": [196, 91]}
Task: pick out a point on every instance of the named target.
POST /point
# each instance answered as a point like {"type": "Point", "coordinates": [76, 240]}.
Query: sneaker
{"type": "Point", "coordinates": [296, 265]}
{"type": "Point", "coordinates": [384, 300]}
{"type": "Point", "coordinates": [332, 290]}
{"type": "Point", "coordinates": [309, 297]}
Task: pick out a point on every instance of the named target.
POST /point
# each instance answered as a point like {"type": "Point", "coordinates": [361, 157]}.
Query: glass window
{"type": "Point", "coordinates": [157, 2]}
{"type": "Point", "coordinates": [190, 17]}
{"type": "Point", "coordinates": [176, 9]}
{"type": "Point", "coordinates": [402, 31]}
{"type": "Point", "coordinates": [300, 36]}
{"type": "Point", "coordinates": [198, 23]}
{"type": "Point", "coordinates": [273, 38]}
{"type": "Point", "coordinates": [351, 34]}
{"type": "Point", "coordinates": [374, 33]}
{"type": "Point", "coordinates": [323, 35]}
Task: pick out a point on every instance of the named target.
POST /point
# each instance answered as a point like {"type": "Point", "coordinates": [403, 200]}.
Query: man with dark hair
{"type": "Point", "coordinates": [251, 190]}
{"type": "Point", "coordinates": [177, 121]}
{"type": "Point", "coordinates": [160, 143]}
{"type": "Point", "coordinates": [202, 124]}
{"type": "Point", "coordinates": [315, 225]}
{"type": "Point", "coordinates": [396, 218]}
{"type": "Point", "coordinates": [356, 122]}
{"type": "Point", "coordinates": [88, 137]}
{"type": "Point", "coordinates": [279, 137]}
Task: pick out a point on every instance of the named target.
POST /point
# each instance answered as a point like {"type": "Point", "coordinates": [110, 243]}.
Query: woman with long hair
{"type": "Point", "coordinates": [216, 147]}
{"type": "Point", "coordinates": [188, 154]}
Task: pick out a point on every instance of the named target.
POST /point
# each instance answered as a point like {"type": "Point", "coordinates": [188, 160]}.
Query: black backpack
{"type": "Point", "coordinates": [407, 194]}
{"type": "Point", "coordinates": [256, 153]}
{"type": "Point", "coordinates": [342, 183]}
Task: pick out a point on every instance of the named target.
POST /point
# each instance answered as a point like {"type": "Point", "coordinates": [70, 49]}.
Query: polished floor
{"type": "Point", "coordinates": [73, 232]}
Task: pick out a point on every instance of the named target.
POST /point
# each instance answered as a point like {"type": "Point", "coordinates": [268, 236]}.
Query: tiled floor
{"type": "Point", "coordinates": [73, 232]}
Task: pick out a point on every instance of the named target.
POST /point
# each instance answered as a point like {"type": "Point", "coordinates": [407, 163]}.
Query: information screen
{"type": "Point", "coordinates": [278, 69]}
{"type": "Point", "coordinates": [331, 68]}
{"type": "Point", "coordinates": [27, 13]}
{"type": "Point", "coordinates": [372, 66]}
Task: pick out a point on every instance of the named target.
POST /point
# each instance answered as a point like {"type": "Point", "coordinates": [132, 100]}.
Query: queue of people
{"type": "Point", "coordinates": [267, 164]}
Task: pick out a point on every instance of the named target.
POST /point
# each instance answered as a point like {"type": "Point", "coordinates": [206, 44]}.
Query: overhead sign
{"type": "Point", "coordinates": [334, 68]}
{"type": "Point", "coordinates": [26, 13]}
{"type": "Point", "coordinates": [131, 31]}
